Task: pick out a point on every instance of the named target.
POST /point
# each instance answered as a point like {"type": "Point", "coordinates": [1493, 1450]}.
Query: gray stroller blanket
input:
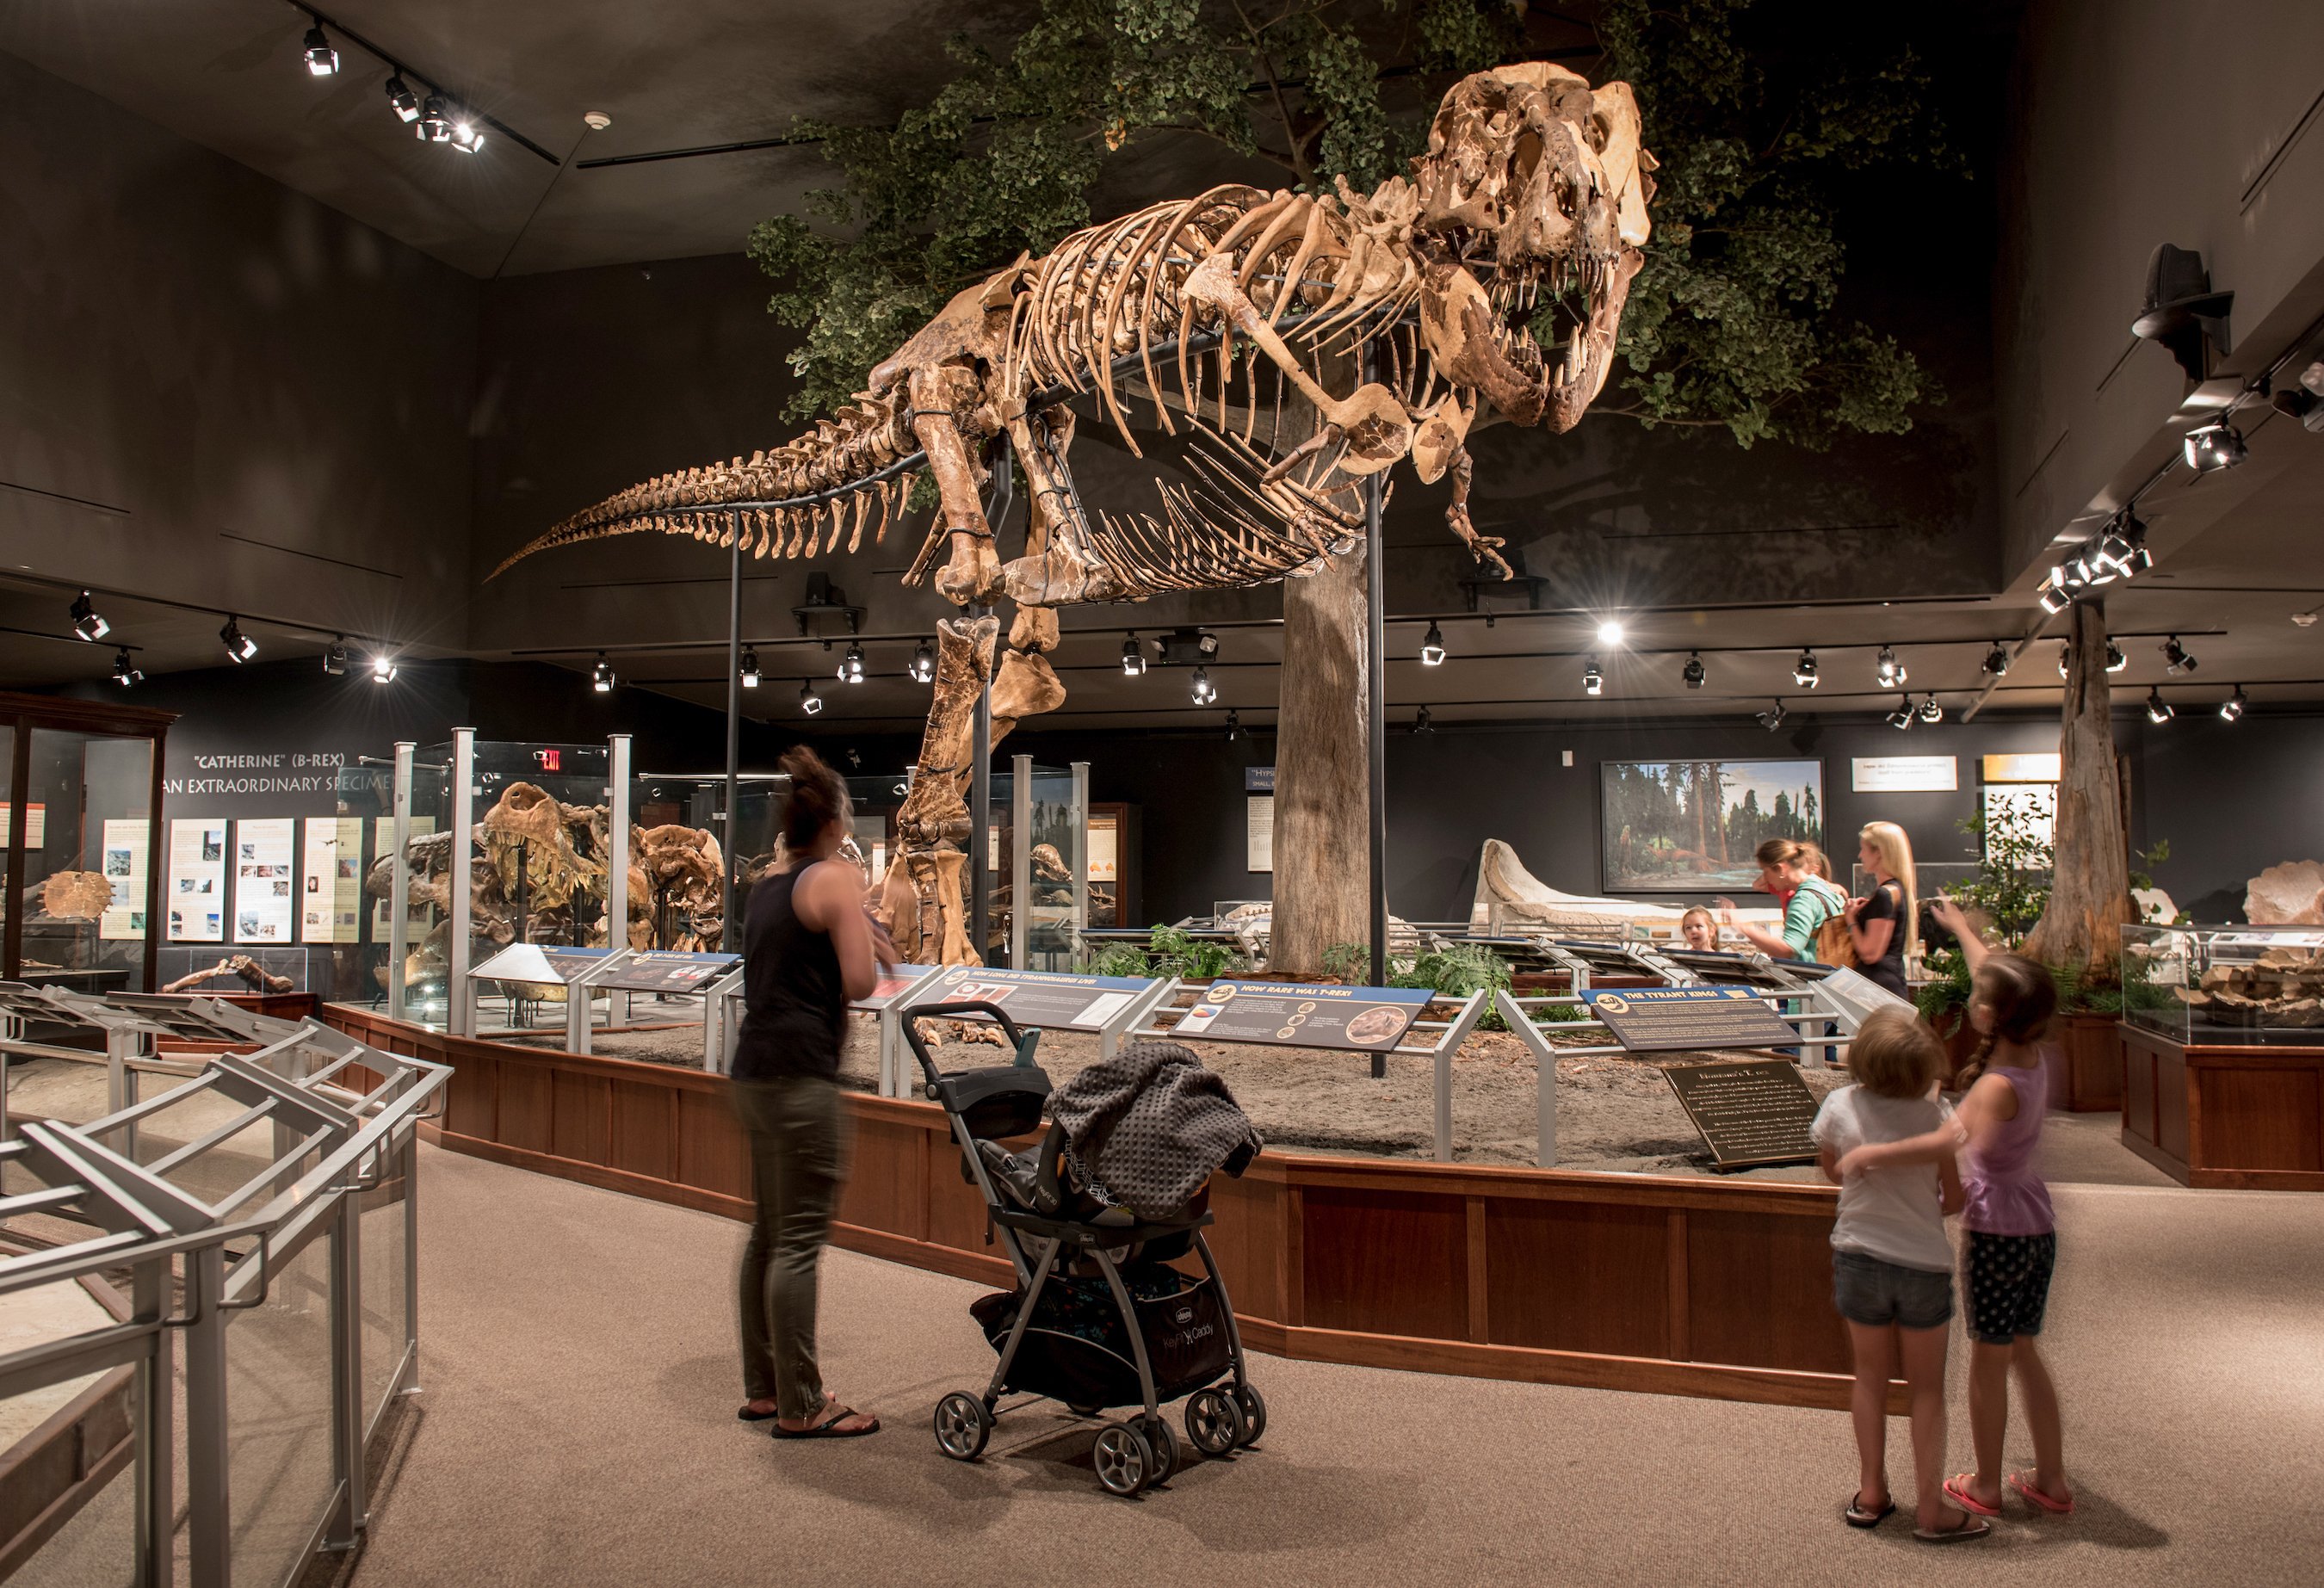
{"type": "Point", "coordinates": [1151, 1124]}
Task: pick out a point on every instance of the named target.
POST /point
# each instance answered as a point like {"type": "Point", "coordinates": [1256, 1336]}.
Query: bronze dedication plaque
{"type": "Point", "coordinates": [1751, 1112]}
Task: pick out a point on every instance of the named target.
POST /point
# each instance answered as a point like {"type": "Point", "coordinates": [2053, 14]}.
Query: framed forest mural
{"type": "Point", "coordinates": [1690, 826]}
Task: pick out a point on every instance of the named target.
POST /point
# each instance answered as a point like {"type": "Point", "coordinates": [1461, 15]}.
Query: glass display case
{"type": "Point", "coordinates": [86, 862]}
{"type": "Point", "coordinates": [2225, 985]}
{"type": "Point", "coordinates": [679, 907]}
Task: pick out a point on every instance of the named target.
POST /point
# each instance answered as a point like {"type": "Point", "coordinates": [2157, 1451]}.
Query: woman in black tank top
{"type": "Point", "coordinates": [808, 948]}
{"type": "Point", "coordinates": [1882, 925]}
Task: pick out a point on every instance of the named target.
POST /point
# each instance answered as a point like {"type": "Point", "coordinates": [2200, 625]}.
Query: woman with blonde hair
{"type": "Point", "coordinates": [1884, 926]}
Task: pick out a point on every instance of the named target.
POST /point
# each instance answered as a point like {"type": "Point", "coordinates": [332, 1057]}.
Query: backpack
{"type": "Point", "coordinates": [1835, 944]}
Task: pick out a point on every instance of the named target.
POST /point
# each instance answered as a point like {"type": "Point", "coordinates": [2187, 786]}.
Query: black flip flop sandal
{"type": "Point", "coordinates": [830, 1430]}
{"type": "Point", "coordinates": [744, 1414]}
{"type": "Point", "coordinates": [1972, 1527]}
{"type": "Point", "coordinates": [1858, 1517]}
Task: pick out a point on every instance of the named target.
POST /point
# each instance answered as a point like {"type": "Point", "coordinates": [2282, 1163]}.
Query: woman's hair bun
{"type": "Point", "coordinates": [818, 796]}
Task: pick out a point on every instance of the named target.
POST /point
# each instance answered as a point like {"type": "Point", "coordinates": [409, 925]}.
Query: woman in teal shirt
{"type": "Point", "coordinates": [1813, 902]}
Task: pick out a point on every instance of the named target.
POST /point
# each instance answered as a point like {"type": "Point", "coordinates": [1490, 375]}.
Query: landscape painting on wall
{"type": "Point", "coordinates": [1690, 826]}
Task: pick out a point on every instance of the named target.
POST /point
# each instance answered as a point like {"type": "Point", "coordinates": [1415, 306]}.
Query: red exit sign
{"type": "Point", "coordinates": [548, 759]}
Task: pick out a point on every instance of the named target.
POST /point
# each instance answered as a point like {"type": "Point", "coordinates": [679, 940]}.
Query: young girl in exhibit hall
{"type": "Point", "coordinates": [1791, 867]}
{"type": "Point", "coordinates": [2013, 1241]}
{"type": "Point", "coordinates": [1697, 928]}
{"type": "Point", "coordinates": [1881, 925]}
{"type": "Point", "coordinates": [808, 950]}
{"type": "Point", "coordinates": [1892, 1265]}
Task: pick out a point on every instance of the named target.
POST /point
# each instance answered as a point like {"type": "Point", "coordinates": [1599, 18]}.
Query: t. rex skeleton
{"type": "Point", "coordinates": [1529, 209]}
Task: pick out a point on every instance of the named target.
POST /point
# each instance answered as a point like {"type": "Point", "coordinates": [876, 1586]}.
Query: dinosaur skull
{"type": "Point", "coordinates": [1532, 195]}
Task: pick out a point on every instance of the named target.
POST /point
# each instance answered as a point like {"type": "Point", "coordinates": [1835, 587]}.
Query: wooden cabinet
{"type": "Point", "coordinates": [2245, 1119]}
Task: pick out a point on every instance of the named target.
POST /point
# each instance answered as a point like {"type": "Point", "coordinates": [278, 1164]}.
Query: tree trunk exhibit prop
{"type": "Point", "coordinates": [1322, 883]}
{"type": "Point", "coordinates": [2089, 878]}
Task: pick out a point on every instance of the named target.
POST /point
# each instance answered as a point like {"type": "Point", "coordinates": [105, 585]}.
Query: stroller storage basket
{"type": "Point", "coordinates": [1077, 1351]}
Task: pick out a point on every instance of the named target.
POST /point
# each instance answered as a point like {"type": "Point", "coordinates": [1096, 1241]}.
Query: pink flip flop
{"type": "Point", "coordinates": [2024, 1485]}
{"type": "Point", "coordinates": [1956, 1489]}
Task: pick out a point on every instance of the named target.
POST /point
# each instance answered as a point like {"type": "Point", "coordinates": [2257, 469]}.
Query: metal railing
{"type": "Point", "coordinates": [264, 1208]}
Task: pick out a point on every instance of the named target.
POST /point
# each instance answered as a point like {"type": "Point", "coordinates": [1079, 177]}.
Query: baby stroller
{"type": "Point", "coordinates": [1098, 1319]}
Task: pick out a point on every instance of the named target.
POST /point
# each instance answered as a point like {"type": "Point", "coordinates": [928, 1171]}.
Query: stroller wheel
{"type": "Point", "coordinates": [961, 1425]}
{"type": "Point", "coordinates": [1124, 1461]}
{"type": "Point", "coordinates": [1214, 1422]}
{"type": "Point", "coordinates": [1165, 1444]}
{"type": "Point", "coordinates": [1254, 1414]}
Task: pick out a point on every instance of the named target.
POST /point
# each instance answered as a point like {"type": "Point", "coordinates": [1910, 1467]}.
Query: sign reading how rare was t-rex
{"type": "Point", "coordinates": [1487, 288]}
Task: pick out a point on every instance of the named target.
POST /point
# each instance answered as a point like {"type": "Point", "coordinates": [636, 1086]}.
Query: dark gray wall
{"type": "Point", "coordinates": [205, 354]}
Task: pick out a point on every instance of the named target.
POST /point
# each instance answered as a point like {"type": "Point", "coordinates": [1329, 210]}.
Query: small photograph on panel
{"type": "Point", "coordinates": [116, 862]}
{"type": "Point", "coordinates": [213, 847]}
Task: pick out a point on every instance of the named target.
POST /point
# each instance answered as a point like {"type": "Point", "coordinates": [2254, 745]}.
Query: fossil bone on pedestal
{"type": "Point", "coordinates": [2288, 895]}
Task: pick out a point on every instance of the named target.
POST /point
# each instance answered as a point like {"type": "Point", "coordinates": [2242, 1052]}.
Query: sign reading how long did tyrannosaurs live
{"type": "Point", "coordinates": [1662, 1020]}
{"type": "Point", "coordinates": [1302, 1014]}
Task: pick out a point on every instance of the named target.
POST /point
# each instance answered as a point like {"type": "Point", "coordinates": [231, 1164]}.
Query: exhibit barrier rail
{"type": "Point", "coordinates": [265, 1208]}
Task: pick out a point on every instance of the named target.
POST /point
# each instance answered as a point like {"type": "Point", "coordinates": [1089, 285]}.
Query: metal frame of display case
{"type": "Point", "coordinates": [335, 1141]}
{"type": "Point", "coordinates": [28, 713]}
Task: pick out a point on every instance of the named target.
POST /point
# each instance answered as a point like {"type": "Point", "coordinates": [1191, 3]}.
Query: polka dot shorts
{"type": "Point", "coordinates": [2008, 1283]}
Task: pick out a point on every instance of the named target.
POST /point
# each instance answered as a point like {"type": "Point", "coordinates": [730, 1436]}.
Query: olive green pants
{"type": "Point", "coordinates": [797, 1169]}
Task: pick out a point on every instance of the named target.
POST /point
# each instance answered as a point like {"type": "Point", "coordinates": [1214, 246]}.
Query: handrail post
{"type": "Point", "coordinates": [209, 1516]}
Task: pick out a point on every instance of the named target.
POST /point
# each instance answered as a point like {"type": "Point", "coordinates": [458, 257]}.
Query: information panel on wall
{"type": "Point", "coordinates": [36, 833]}
{"type": "Point", "coordinates": [263, 905]}
{"type": "Point", "coordinates": [194, 892]}
{"type": "Point", "coordinates": [1903, 774]}
{"type": "Point", "coordinates": [331, 880]}
{"type": "Point", "coordinates": [125, 873]}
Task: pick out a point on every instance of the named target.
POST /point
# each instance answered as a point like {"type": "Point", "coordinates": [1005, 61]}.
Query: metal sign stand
{"type": "Point", "coordinates": [459, 1019]}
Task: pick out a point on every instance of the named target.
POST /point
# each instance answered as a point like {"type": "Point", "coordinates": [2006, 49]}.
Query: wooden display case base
{"type": "Point", "coordinates": [1661, 1285]}
{"type": "Point", "coordinates": [2222, 1118]}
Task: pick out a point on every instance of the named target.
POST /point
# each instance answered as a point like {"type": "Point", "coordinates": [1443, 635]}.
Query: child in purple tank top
{"type": "Point", "coordinates": [2013, 1243]}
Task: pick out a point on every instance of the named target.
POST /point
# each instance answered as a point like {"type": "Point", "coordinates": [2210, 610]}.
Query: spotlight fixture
{"type": "Point", "coordinates": [384, 669]}
{"type": "Point", "coordinates": [1234, 726]}
{"type": "Point", "coordinates": [126, 673]}
{"type": "Point", "coordinates": [1133, 658]}
{"type": "Point", "coordinates": [2054, 600]}
{"type": "Point", "coordinates": [335, 656]}
{"type": "Point", "coordinates": [1902, 718]}
{"type": "Point", "coordinates": [1204, 690]}
{"type": "Point", "coordinates": [405, 104]}
{"type": "Point", "coordinates": [1593, 682]}
{"type": "Point", "coordinates": [1997, 661]}
{"type": "Point", "coordinates": [1420, 723]}
{"type": "Point", "coordinates": [851, 666]}
{"type": "Point", "coordinates": [1206, 645]}
{"type": "Point", "coordinates": [1609, 633]}
{"type": "Point", "coordinates": [1695, 673]}
{"type": "Point", "coordinates": [2115, 659]}
{"type": "Point", "coordinates": [1773, 717]}
{"type": "Point", "coordinates": [237, 644]}
{"type": "Point", "coordinates": [2158, 710]}
{"type": "Point", "coordinates": [1804, 671]}
{"type": "Point", "coordinates": [1930, 712]}
{"type": "Point", "coordinates": [2230, 708]}
{"type": "Point", "coordinates": [1432, 649]}
{"type": "Point", "coordinates": [322, 60]}
{"type": "Point", "coordinates": [600, 676]}
{"type": "Point", "coordinates": [2175, 658]}
{"type": "Point", "coordinates": [2214, 447]}
{"type": "Point", "coordinates": [923, 666]}
{"type": "Point", "coordinates": [1889, 671]}
{"type": "Point", "coordinates": [435, 123]}
{"type": "Point", "coordinates": [467, 138]}
{"type": "Point", "coordinates": [810, 700]}
{"type": "Point", "coordinates": [85, 622]}
{"type": "Point", "coordinates": [750, 667]}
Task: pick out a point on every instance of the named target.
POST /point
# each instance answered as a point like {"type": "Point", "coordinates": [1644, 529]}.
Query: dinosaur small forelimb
{"type": "Point", "coordinates": [973, 576]}
{"type": "Point", "coordinates": [1328, 435]}
{"type": "Point", "coordinates": [1483, 548]}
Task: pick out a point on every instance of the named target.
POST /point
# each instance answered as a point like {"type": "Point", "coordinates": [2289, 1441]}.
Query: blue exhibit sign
{"type": "Point", "coordinates": [1657, 1020]}
{"type": "Point", "coordinates": [1304, 1014]}
{"type": "Point", "coordinates": [1259, 780]}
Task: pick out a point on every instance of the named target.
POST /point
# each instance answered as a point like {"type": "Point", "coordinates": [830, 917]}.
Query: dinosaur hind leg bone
{"type": "Point", "coordinates": [934, 823]}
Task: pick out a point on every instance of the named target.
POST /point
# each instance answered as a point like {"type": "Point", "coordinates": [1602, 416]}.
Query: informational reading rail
{"type": "Point", "coordinates": [1661, 1020]}
{"type": "Point", "coordinates": [1751, 1112]}
{"type": "Point", "coordinates": [1304, 1014]}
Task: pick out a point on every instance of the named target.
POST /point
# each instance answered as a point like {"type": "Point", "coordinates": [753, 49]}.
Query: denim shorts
{"type": "Point", "coordinates": [1869, 1291]}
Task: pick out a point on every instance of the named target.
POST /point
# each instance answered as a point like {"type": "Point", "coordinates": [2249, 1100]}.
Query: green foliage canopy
{"type": "Point", "coordinates": [1729, 324]}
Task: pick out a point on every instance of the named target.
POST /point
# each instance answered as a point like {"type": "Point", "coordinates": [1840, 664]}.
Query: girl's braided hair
{"type": "Point", "coordinates": [2023, 999]}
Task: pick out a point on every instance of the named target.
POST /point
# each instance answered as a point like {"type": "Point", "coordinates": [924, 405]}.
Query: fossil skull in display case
{"type": "Point", "coordinates": [1486, 288]}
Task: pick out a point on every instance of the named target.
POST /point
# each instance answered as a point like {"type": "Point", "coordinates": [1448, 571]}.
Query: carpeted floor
{"type": "Point", "coordinates": [576, 1428]}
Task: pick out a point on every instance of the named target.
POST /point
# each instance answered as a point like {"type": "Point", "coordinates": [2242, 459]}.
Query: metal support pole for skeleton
{"type": "Point", "coordinates": [1020, 859]}
{"type": "Point", "coordinates": [1376, 716]}
{"type": "Point", "coordinates": [460, 996]}
{"type": "Point", "coordinates": [980, 781]}
{"type": "Point", "coordinates": [729, 939]}
{"type": "Point", "coordinates": [399, 892]}
{"type": "Point", "coordinates": [1078, 825]}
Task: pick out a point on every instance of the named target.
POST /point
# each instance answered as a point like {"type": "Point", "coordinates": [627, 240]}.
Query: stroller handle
{"type": "Point", "coordinates": [913, 1016]}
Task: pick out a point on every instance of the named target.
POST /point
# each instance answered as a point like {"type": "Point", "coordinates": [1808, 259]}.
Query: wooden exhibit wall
{"type": "Point", "coordinates": [2237, 1119]}
{"type": "Point", "coordinates": [1673, 1286]}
